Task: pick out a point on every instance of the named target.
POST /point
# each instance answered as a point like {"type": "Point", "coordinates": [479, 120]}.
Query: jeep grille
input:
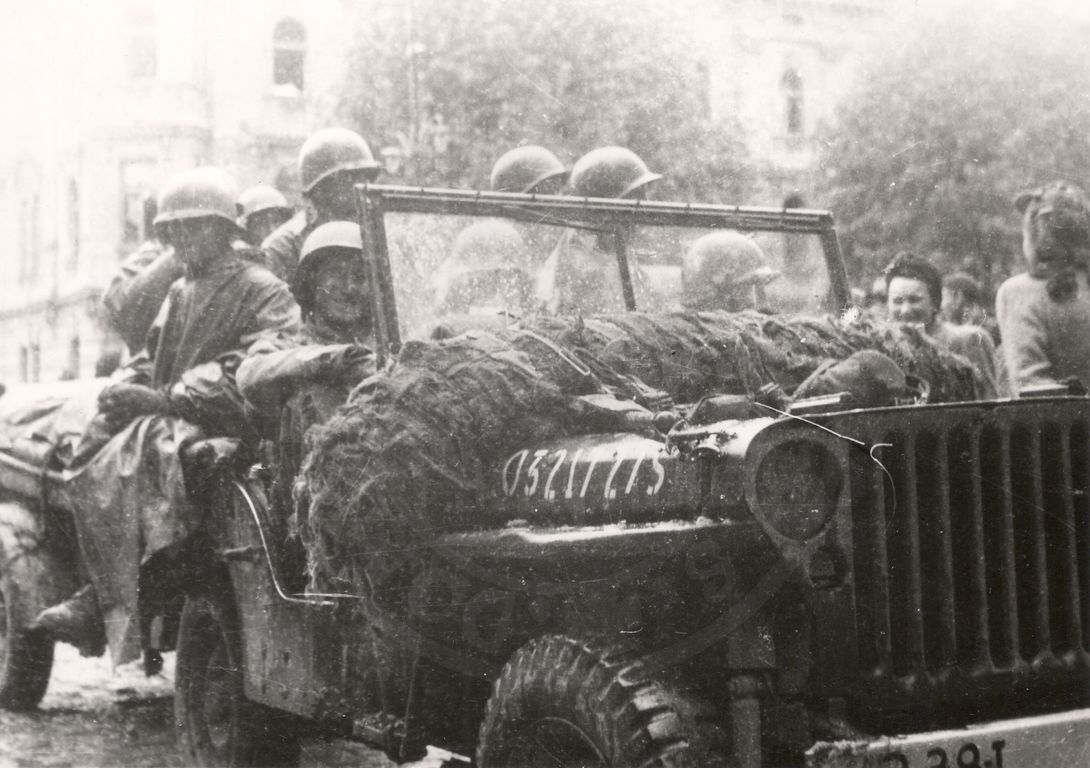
{"type": "Point", "coordinates": [973, 563]}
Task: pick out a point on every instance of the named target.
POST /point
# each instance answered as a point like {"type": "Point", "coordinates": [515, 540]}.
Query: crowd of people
{"type": "Point", "coordinates": [243, 313]}
{"type": "Point", "coordinates": [1036, 333]}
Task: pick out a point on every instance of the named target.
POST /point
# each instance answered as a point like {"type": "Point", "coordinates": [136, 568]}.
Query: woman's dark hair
{"type": "Point", "coordinates": [910, 265]}
{"type": "Point", "coordinates": [1056, 223]}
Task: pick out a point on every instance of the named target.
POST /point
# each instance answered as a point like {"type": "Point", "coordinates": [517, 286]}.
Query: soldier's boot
{"type": "Point", "coordinates": [77, 621]}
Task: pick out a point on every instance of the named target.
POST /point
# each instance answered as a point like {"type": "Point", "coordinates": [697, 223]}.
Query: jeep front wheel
{"type": "Point", "coordinates": [26, 657]}
{"type": "Point", "coordinates": [217, 725]}
{"type": "Point", "coordinates": [562, 701]}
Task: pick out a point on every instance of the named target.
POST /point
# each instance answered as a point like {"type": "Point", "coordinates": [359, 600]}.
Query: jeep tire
{"type": "Point", "coordinates": [565, 701]}
{"type": "Point", "coordinates": [26, 657]}
{"type": "Point", "coordinates": [217, 725]}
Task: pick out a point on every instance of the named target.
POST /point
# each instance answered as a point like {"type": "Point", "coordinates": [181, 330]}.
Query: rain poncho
{"type": "Point", "coordinates": [292, 385]}
{"type": "Point", "coordinates": [282, 246]}
{"type": "Point", "coordinates": [130, 497]}
{"type": "Point", "coordinates": [135, 294]}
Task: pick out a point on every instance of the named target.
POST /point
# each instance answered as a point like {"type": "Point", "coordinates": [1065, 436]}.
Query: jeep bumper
{"type": "Point", "coordinates": [1056, 741]}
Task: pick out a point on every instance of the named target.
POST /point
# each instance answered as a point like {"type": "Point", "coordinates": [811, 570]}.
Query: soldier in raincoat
{"type": "Point", "coordinates": [331, 161]}
{"type": "Point", "coordinates": [581, 275]}
{"type": "Point", "coordinates": [133, 508]}
{"type": "Point", "coordinates": [305, 378]}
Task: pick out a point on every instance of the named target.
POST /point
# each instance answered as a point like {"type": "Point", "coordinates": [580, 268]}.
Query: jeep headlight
{"type": "Point", "coordinates": [797, 488]}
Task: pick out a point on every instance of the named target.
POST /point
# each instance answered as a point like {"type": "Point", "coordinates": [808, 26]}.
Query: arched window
{"type": "Point", "coordinates": [141, 55]}
{"type": "Point", "coordinates": [289, 53]}
{"type": "Point", "coordinates": [73, 224]}
{"type": "Point", "coordinates": [791, 84]}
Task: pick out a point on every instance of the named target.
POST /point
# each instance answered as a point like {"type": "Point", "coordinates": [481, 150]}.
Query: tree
{"type": "Point", "coordinates": [462, 81]}
{"type": "Point", "coordinates": [929, 152]}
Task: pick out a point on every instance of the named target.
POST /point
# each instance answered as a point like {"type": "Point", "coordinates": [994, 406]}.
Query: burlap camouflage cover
{"type": "Point", "coordinates": [410, 455]}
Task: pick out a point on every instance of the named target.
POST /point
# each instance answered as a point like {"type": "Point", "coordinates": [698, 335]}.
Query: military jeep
{"type": "Point", "coordinates": [815, 584]}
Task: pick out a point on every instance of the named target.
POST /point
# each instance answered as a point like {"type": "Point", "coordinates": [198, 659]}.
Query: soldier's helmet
{"type": "Point", "coordinates": [326, 240]}
{"type": "Point", "coordinates": [720, 268]}
{"type": "Point", "coordinates": [610, 172]}
{"type": "Point", "coordinates": [523, 168]}
{"type": "Point", "coordinates": [488, 262]}
{"type": "Point", "coordinates": [330, 151]}
{"type": "Point", "coordinates": [198, 193]}
{"type": "Point", "coordinates": [258, 198]}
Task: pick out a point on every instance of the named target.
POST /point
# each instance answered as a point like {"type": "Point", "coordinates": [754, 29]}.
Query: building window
{"type": "Point", "coordinates": [289, 53]}
{"type": "Point", "coordinates": [73, 225]}
{"type": "Point", "coordinates": [704, 86]}
{"type": "Point", "coordinates": [136, 185]}
{"type": "Point", "coordinates": [71, 368]}
{"type": "Point", "coordinates": [141, 55]}
{"type": "Point", "coordinates": [35, 362]}
{"type": "Point", "coordinates": [28, 239]}
{"type": "Point", "coordinates": [791, 83]}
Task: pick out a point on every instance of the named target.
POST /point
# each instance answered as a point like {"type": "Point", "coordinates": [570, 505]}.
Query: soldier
{"type": "Point", "coordinates": [261, 210]}
{"type": "Point", "coordinates": [1044, 314]}
{"type": "Point", "coordinates": [529, 169]}
{"type": "Point", "coordinates": [581, 276]}
{"type": "Point", "coordinates": [725, 270]}
{"type": "Point", "coordinates": [132, 504]}
{"type": "Point", "coordinates": [331, 161]}
{"type": "Point", "coordinates": [305, 379]}
{"type": "Point", "coordinates": [485, 281]}
{"type": "Point", "coordinates": [914, 295]}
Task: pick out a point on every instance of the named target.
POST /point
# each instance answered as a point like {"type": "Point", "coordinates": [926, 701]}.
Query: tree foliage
{"type": "Point", "coordinates": [570, 75]}
{"type": "Point", "coordinates": [945, 130]}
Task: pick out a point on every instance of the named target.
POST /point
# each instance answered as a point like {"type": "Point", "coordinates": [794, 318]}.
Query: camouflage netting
{"type": "Point", "coordinates": [410, 454]}
{"type": "Point", "coordinates": [689, 354]}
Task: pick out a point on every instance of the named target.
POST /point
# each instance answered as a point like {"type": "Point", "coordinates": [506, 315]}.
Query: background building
{"type": "Point", "coordinates": [107, 99]}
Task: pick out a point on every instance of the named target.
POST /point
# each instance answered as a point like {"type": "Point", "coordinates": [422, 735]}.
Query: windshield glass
{"type": "Point", "coordinates": [453, 273]}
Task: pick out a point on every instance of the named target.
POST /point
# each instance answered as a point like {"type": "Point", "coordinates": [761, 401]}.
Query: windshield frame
{"type": "Point", "coordinates": [597, 214]}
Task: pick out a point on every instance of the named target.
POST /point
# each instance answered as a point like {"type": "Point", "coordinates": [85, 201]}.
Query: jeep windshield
{"type": "Point", "coordinates": [449, 261]}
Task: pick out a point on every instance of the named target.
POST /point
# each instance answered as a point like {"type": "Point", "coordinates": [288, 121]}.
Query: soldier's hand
{"type": "Point", "coordinates": [122, 403]}
{"type": "Point", "coordinates": [351, 364]}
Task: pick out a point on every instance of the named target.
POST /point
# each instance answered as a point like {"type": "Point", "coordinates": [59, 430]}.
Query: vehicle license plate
{"type": "Point", "coordinates": [1048, 741]}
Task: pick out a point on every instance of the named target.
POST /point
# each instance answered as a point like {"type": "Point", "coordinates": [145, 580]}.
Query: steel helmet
{"type": "Point", "coordinates": [198, 193]}
{"type": "Point", "coordinates": [316, 246]}
{"type": "Point", "coordinates": [523, 168]}
{"type": "Point", "coordinates": [719, 264]}
{"type": "Point", "coordinates": [484, 246]}
{"type": "Point", "coordinates": [331, 150]}
{"type": "Point", "coordinates": [258, 198]}
{"type": "Point", "coordinates": [610, 172]}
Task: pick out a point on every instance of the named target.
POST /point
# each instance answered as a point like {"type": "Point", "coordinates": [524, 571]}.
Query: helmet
{"type": "Point", "coordinates": [260, 197]}
{"type": "Point", "coordinates": [331, 150]}
{"type": "Point", "coordinates": [490, 245]}
{"type": "Point", "coordinates": [522, 169]}
{"type": "Point", "coordinates": [717, 265]}
{"type": "Point", "coordinates": [198, 193]}
{"type": "Point", "coordinates": [610, 172]}
{"type": "Point", "coordinates": [332, 234]}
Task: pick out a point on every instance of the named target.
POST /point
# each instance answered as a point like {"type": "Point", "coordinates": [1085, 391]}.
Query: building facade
{"type": "Point", "coordinates": [112, 98]}
{"type": "Point", "coordinates": [109, 99]}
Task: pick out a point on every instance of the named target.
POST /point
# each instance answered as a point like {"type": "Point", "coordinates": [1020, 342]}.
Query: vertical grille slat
{"type": "Point", "coordinates": [999, 520]}
{"type": "Point", "coordinates": [1030, 544]}
{"type": "Point", "coordinates": [946, 642]}
{"type": "Point", "coordinates": [1072, 604]}
{"type": "Point", "coordinates": [976, 597]}
{"type": "Point", "coordinates": [905, 543]}
{"type": "Point", "coordinates": [880, 579]}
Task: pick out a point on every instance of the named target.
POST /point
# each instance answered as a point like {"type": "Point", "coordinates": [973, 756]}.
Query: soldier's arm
{"type": "Point", "coordinates": [268, 376]}
{"type": "Point", "coordinates": [134, 296]}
